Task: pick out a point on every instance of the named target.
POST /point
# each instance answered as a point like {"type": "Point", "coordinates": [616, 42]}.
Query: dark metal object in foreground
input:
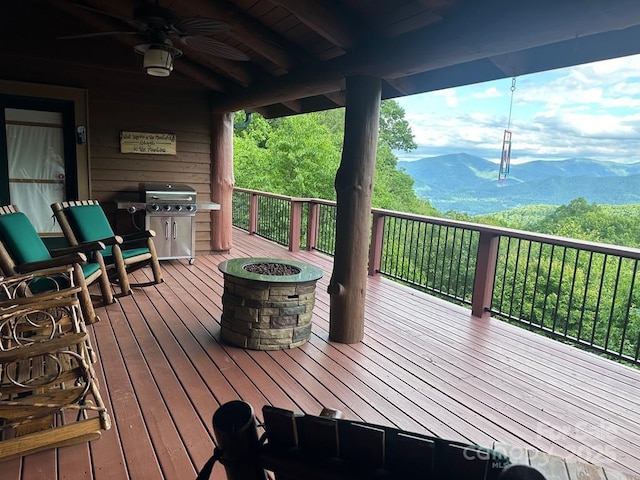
{"type": "Point", "coordinates": [316, 447]}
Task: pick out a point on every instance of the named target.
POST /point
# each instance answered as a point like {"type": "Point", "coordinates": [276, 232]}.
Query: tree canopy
{"type": "Point", "coordinates": [299, 156]}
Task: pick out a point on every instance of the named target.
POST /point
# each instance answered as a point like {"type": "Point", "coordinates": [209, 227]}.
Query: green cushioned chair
{"type": "Point", "coordinates": [23, 251]}
{"type": "Point", "coordinates": [85, 221]}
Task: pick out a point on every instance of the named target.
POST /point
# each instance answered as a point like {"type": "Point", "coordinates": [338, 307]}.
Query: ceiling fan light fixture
{"type": "Point", "coordinates": [158, 62]}
{"type": "Point", "coordinates": [158, 58]}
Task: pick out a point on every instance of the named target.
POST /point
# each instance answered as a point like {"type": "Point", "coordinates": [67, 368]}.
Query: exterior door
{"type": "Point", "coordinates": [37, 157]}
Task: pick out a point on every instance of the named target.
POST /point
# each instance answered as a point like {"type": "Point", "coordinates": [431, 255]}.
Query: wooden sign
{"type": "Point", "coordinates": [148, 143]}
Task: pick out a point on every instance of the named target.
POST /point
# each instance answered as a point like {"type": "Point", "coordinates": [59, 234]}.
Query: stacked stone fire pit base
{"type": "Point", "coordinates": [267, 303]}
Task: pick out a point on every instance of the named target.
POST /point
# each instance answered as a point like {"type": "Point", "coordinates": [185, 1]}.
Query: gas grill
{"type": "Point", "coordinates": [170, 210]}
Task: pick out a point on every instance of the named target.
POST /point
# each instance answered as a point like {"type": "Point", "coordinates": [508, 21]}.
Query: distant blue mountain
{"type": "Point", "coordinates": [470, 184]}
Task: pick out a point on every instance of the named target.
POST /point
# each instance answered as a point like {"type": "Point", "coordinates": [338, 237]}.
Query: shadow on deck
{"type": "Point", "coordinates": [425, 365]}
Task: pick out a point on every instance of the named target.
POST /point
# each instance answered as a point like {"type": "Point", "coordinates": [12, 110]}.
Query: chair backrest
{"type": "Point", "coordinates": [20, 240]}
{"type": "Point", "coordinates": [82, 221]}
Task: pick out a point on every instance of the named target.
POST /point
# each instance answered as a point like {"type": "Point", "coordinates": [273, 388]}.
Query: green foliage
{"type": "Point", "coordinates": [395, 131]}
{"type": "Point", "coordinates": [522, 218]}
{"type": "Point", "coordinates": [294, 156]}
{"type": "Point", "coordinates": [592, 222]}
{"type": "Point", "coordinates": [299, 156]}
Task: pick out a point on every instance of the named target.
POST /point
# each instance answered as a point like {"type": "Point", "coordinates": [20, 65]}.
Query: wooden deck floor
{"type": "Point", "coordinates": [425, 366]}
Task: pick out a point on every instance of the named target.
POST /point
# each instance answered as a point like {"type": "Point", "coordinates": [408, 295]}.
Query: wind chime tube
{"type": "Point", "coordinates": [505, 157]}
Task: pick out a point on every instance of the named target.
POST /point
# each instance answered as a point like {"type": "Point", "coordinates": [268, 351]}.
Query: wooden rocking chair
{"type": "Point", "coordinates": [85, 221]}
{"type": "Point", "coordinates": [23, 251]}
{"type": "Point", "coordinates": [30, 320]}
{"type": "Point", "coordinates": [317, 447]}
{"type": "Point", "coordinates": [48, 392]}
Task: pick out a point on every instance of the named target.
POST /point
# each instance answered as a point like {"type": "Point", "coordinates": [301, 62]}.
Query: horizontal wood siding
{"type": "Point", "coordinates": [116, 176]}
{"type": "Point", "coordinates": [132, 101]}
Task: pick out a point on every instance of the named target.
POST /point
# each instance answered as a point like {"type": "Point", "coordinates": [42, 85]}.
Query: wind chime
{"type": "Point", "coordinates": [505, 158]}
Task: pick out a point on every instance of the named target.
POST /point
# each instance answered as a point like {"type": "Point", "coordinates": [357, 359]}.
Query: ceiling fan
{"type": "Point", "coordinates": [160, 27]}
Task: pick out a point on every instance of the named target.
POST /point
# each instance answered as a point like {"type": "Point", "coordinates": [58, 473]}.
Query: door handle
{"type": "Point", "coordinates": [175, 230]}
{"type": "Point", "coordinates": [166, 230]}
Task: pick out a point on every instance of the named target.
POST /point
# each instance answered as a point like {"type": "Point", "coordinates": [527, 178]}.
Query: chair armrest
{"type": "Point", "coordinates": [53, 262]}
{"type": "Point", "coordinates": [40, 300]}
{"type": "Point", "coordinates": [82, 248]}
{"type": "Point", "coordinates": [115, 240]}
{"type": "Point", "coordinates": [16, 286]}
{"type": "Point", "coordinates": [132, 237]}
{"type": "Point", "coordinates": [42, 348]}
{"type": "Point", "coordinates": [26, 277]}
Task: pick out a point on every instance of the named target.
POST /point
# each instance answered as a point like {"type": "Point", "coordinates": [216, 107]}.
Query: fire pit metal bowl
{"type": "Point", "coordinates": [267, 302]}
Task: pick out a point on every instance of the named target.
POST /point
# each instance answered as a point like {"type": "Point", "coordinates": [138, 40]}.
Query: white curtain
{"type": "Point", "coordinates": [36, 171]}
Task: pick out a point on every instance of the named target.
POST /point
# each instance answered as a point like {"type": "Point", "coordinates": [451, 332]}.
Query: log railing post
{"type": "Point", "coordinates": [485, 274]}
{"type": "Point", "coordinates": [375, 247]}
{"type": "Point", "coordinates": [313, 225]}
{"type": "Point", "coordinates": [295, 224]}
{"type": "Point", "coordinates": [354, 182]}
{"type": "Point", "coordinates": [222, 181]}
{"type": "Point", "coordinates": [253, 213]}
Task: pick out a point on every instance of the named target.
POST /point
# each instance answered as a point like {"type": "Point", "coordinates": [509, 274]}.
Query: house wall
{"type": "Point", "coordinates": [146, 104]}
{"type": "Point", "coordinates": [116, 176]}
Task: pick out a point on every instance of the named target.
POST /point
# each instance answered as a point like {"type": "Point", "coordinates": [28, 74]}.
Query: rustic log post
{"type": "Point", "coordinates": [313, 225]}
{"type": "Point", "coordinates": [375, 249]}
{"type": "Point", "coordinates": [295, 224]}
{"type": "Point", "coordinates": [222, 181]}
{"type": "Point", "coordinates": [485, 274]}
{"type": "Point", "coordinates": [354, 187]}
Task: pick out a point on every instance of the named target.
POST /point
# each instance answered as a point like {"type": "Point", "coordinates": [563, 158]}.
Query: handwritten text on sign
{"type": "Point", "coordinates": [149, 143]}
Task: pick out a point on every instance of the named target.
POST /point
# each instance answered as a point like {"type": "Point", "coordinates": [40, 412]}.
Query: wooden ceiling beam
{"type": "Point", "coordinates": [478, 32]}
{"type": "Point", "coordinates": [248, 31]}
{"type": "Point", "coordinates": [326, 18]}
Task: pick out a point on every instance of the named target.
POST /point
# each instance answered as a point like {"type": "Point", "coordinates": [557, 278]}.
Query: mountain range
{"type": "Point", "coordinates": [466, 183]}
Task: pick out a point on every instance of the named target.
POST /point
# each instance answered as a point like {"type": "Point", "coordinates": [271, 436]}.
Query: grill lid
{"type": "Point", "coordinates": [168, 192]}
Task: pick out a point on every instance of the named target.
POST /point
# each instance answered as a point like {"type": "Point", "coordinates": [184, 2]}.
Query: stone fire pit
{"type": "Point", "coordinates": [267, 303]}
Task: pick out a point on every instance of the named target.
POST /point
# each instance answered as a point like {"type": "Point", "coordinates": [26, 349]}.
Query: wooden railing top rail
{"type": "Point", "coordinates": [275, 195]}
{"type": "Point", "coordinates": [597, 247]}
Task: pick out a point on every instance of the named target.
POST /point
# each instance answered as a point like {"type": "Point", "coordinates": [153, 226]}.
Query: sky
{"type": "Point", "coordinates": [587, 111]}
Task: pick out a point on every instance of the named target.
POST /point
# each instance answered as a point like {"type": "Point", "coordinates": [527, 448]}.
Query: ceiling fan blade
{"type": "Point", "coordinates": [215, 48]}
{"type": "Point", "coordinates": [102, 12]}
{"type": "Point", "coordinates": [131, 22]}
{"type": "Point", "coordinates": [197, 26]}
{"type": "Point", "coordinates": [98, 34]}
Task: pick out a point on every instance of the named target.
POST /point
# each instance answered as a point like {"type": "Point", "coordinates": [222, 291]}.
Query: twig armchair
{"type": "Point", "coordinates": [85, 221]}
{"type": "Point", "coordinates": [49, 395]}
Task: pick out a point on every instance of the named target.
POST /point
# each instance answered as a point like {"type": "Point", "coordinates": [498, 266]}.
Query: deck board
{"type": "Point", "coordinates": [425, 365]}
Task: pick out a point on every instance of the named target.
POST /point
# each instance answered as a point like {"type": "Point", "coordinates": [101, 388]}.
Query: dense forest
{"type": "Point", "coordinates": [299, 155]}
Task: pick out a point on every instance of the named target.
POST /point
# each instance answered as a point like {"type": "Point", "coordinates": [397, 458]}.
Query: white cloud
{"type": "Point", "coordinates": [491, 92]}
{"type": "Point", "coordinates": [585, 111]}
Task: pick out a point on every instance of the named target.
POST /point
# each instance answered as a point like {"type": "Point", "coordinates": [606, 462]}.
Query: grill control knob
{"type": "Point", "coordinates": [190, 208]}
{"type": "Point", "coordinates": [178, 208]}
{"type": "Point", "coordinates": [155, 207]}
{"type": "Point", "coordinates": [166, 208]}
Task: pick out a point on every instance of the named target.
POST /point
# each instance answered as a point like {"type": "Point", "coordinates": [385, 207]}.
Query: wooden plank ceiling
{"type": "Point", "coordinates": [299, 52]}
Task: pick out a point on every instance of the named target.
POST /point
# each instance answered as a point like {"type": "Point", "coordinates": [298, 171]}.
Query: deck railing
{"type": "Point", "coordinates": [581, 292]}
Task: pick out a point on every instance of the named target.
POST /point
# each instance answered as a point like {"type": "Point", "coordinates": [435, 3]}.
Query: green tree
{"type": "Point", "coordinates": [299, 156]}
{"type": "Point", "coordinates": [395, 131]}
